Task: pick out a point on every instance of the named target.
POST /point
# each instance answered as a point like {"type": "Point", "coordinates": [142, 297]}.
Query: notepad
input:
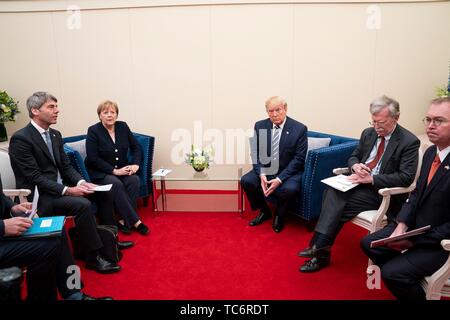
{"type": "Point", "coordinates": [162, 172]}
{"type": "Point", "coordinates": [44, 227]}
{"type": "Point", "coordinates": [340, 182]}
{"type": "Point", "coordinates": [406, 235]}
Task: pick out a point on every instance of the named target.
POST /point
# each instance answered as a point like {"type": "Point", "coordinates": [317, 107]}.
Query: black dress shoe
{"type": "Point", "coordinates": [124, 244]}
{"type": "Point", "coordinates": [142, 229]}
{"type": "Point", "coordinates": [87, 297]}
{"type": "Point", "coordinates": [263, 216]}
{"type": "Point", "coordinates": [314, 264]}
{"type": "Point", "coordinates": [277, 224]}
{"type": "Point", "coordinates": [123, 228]}
{"type": "Point", "coordinates": [102, 266]}
{"type": "Point", "coordinates": [311, 252]}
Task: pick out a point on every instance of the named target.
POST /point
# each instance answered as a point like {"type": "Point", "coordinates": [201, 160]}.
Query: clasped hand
{"type": "Point", "coordinates": [81, 190]}
{"type": "Point", "coordinates": [126, 171]}
{"type": "Point", "coordinates": [269, 186]}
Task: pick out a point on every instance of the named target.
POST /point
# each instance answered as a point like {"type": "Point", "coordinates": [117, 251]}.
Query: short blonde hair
{"type": "Point", "coordinates": [106, 105]}
{"type": "Point", "coordinates": [276, 100]}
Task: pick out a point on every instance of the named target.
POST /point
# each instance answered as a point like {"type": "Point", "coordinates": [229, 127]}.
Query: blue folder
{"type": "Point", "coordinates": [45, 227]}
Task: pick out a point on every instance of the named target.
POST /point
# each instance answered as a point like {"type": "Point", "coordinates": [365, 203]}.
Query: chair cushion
{"type": "Point", "coordinates": [79, 146]}
{"type": "Point", "coordinates": [316, 143]}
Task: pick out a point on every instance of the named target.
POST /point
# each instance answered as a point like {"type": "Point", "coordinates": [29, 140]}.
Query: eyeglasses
{"type": "Point", "coordinates": [436, 121]}
{"type": "Point", "coordinates": [379, 123]}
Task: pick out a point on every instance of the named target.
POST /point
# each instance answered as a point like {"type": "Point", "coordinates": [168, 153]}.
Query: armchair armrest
{"type": "Point", "coordinates": [21, 193]}
{"type": "Point", "coordinates": [147, 144]}
{"type": "Point", "coordinates": [396, 190]}
{"type": "Point", "coordinates": [386, 193]}
{"type": "Point", "coordinates": [319, 165]}
{"type": "Point", "coordinates": [436, 282]}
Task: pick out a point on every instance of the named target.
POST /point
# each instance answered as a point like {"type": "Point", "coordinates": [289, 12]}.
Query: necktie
{"type": "Point", "coordinates": [48, 141]}
{"type": "Point", "coordinates": [434, 166]}
{"type": "Point", "coordinates": [276, 143]}
{"type": "Point", "coordinates": [372, 164]}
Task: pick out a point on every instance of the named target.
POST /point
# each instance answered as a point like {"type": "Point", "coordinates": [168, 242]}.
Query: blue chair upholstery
{"type": "Point", "coordinates": [147, 144]}
{"type": "Point", "coordinates": [319, 165]}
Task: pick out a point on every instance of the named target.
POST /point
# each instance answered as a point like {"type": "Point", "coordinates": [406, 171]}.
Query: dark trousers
{"type": "Point", "coordinates": [80, 208]}
{"type": "Point", "coordinates": [46, 260]}
{"type": "Point", "coordinates": [339, 207]}
{"type": "Point", "coordinates": [125, 190]}
{"type": "Point", "coordinates": [402, 272]}
{"type": "Point", "coordinates": [251, 183]}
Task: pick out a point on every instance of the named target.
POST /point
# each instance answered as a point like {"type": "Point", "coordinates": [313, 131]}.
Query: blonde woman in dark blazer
{"type": "Point", "coordinates": [107, 146]}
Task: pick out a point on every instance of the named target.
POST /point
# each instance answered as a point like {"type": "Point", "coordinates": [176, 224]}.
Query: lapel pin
{"type": "Point", "coordinates": [447, 168]}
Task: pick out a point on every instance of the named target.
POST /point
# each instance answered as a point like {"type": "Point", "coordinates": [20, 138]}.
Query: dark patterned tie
{"type": "Point", "coordinates": [48, 141]}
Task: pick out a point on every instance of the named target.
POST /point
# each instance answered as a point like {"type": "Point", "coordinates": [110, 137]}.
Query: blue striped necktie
{"type": "Point", "coordinates": [276, 142]}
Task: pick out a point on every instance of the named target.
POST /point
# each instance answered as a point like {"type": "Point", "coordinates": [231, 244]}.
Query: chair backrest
{"type": "Point", "coordinates": [8, 178]}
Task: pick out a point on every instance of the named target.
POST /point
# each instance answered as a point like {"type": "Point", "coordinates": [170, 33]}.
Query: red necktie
{"type": "Point", "coordinates": [434, 166]}
{"type": "Point", "coordinates": [372, 164]}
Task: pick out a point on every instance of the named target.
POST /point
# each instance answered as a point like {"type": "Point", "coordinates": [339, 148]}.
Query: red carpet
{"type": "Point", "coordinates": [204, 256]}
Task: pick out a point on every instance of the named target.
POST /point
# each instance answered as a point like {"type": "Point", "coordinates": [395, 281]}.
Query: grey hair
{"type": "Point", "coordinates": [37, 100]}
{"type": "Point", "coordinates": [382, 102]}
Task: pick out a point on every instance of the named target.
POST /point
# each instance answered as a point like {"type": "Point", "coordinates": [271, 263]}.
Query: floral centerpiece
{"type": "Point", "coordinates": [8, 111]}
{"type": "Point", "coordinates": [199, 159]}
{"type": "Point", "coordinates": [444, 91]}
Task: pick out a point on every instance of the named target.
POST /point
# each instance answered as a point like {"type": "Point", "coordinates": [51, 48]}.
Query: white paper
{"type": "Point", "coordinates": [34, 204]}
{"type": "Point", "coordinates": [46, 223]}
{"type": "Point", "coordinates": [340, 182]}
{"type": "Point", "coordinates": [105, 187]}
{"type": "Point", "coordinates": [162, 172]}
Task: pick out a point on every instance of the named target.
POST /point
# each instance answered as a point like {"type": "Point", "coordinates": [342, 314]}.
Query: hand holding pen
{"type": "Point", "coordinates": [361, 170]}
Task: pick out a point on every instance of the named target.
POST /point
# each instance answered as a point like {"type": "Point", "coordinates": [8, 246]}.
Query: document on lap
{"type": "Point", "coordinates": [340, 182]}
{"type": "Point", "coordinates": [105, 187]}
{"type": "Point", "coordinates": [406, 235]}
{"type": "Point", "coordinates": [34, 203]}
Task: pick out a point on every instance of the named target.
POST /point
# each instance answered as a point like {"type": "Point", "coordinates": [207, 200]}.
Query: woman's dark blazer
{"type": "Point", "coordinates": [103, 155]}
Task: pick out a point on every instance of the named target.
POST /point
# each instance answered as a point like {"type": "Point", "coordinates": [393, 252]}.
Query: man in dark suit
{"type": "Point", "coordinates": [386, 156]}
{"type": "Point", "coordinates": [279, 149]}
{"type": "Point", "coordinates": [47, 259]}
{"type": "Point", "coordinates": [38, 159]}
{"type": "Point", "coordinates": [428, 204]}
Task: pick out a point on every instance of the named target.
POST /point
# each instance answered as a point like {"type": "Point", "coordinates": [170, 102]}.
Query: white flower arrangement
{"type": "Point", "coordinates": [199, 159]}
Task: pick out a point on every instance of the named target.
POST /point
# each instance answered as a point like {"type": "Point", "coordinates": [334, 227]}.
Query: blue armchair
{"type": "Point", "coordinates": [319, 165]}
{"type": "Point", "coordinates": [77, 154]}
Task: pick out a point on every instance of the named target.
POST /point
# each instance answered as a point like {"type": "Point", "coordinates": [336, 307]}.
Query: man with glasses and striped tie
{"type": "Point", "coordinates": [386, 156]}
{"type": "Point", "coordinates": [279, 150]}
